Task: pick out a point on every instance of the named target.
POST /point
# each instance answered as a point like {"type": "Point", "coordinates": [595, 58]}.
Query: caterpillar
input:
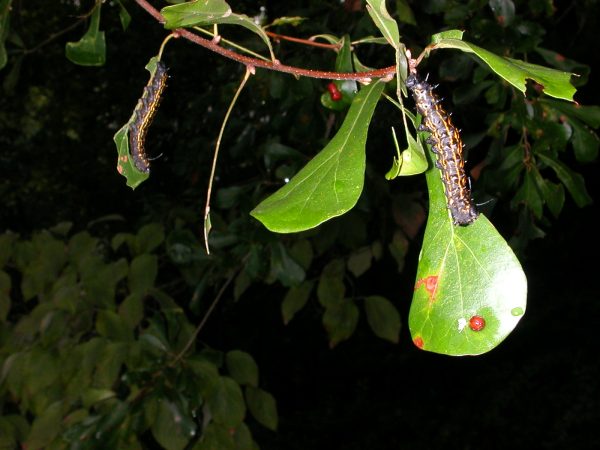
{"type": "Point", "coordinates": [447, 145]}
{"type": "Point", "coordinates": [143, 115]}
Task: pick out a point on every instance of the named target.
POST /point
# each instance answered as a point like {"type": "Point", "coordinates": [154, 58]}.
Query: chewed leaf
{"type": "Point", "coordinates": [556, 83]}
{"type": "Point", "coordinates": [330, 184]}
{"type": "Point", "coordinates": [411, 161]}
{"type": "Point", "coordinates": [90, 50]}
{"type": "Point", "coordinates": [470, 291]}
{"type": "Point", "coordinates": [125, 164]}
{"type": "Point", "coordinates": [448, 34]}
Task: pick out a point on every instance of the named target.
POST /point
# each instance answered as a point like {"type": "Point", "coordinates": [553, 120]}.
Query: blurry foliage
{"type": "Point", "coordinates": [92, 323]}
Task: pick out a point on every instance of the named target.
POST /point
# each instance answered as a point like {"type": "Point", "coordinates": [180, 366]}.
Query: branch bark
{"type": "Point", "coordinates": [270, 65]}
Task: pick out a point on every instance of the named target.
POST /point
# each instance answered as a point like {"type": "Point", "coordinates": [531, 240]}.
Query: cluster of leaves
{"type": "Point", "coordinates": [302, 265]}
{"type": "Point", "coordinates": [90, 343]}
{"type": "Point", "coordinates": [94, 353]}
{"type": "Point", "coordinates": [532, 141]}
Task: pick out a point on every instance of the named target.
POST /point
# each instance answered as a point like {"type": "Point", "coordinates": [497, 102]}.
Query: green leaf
{"type": "Point", "coordinates": [295, 299]}
{"type": "Point", "coordinates": [383, 318]}
{"type": "Point", "coordinates": [241, 283]}
{"type": "Point", "coordinates": [559, 61]}
{"type": "Point", "coordinates": [226, 402]}
{"type": "Point", "coordinates": [45, 427]}
{"type": "Point", "coordinates": [209, 12]}
{"type": "Point", "coordinates": [142, 273]}
{"type": "Point", "coordinates": [410, 161]}
{"type": "Point", "coordinates": [590, 115]}
{"type": "Point", "coordinates": [247, 22]}
{"type": "Point", "coordinates": [284, 268]}
{"type": "Point", "coordinates": [302, 252]}
{"type": "Point", "coordinates": [90, 50]}
{"type": "Point", "coordinates": [242, 438]}
{"type": "Point", "coordinates": [132, 309]}
{"type": "Point", "coordinates": [99, 281]}
{"type": "Point", "coordinates": [173, 427]}
{"type": "Point", "coordinates": [4, 26]}
{"type": "Point", "coordinates": [7, 244]}
{"type": "Point", "coordinates": [529, 195]}
{"type": "Point", "coordinates": [200, 12]}
{"type": "Point", "coordinates": [360, 261]}
{"type": "Point", "coordinates": [386, 24]}
{"type": "Point", "coordinates": [111, 359]}
{"type": "Point", "coordinates": [448, 34]}
{"type": "Point", "coordinates": [331, 289]}
{"type": "Point", "coordinates": [206, 374]}
{"type": "Point", "coordinates": [464, 272]}
{"type": "Point", "coordinates": [124, 16]}
{"type": "Point", "coordinates": [555, 82]}
{"type": "Point", "coordinates": [112, 325]}
{"type": "Point", "coordinates": [125, 164]}
{"type": "Point", "coordinates": [348, 88]}
{"type": "Point", "coordinates": [242, 367]}
{"type": "Point", "coordinates": [405, 13]}
{"type": "Point", "coordinates": [293, 21]}
{"type": "Point", "coordinates": [149, 237]}
{"type": "Point", "coordinates": [585, 142]}
{"type": "Point", "coordinates": [91, 396]}
{"type": "Point", "coordinates": [5, 285]}
{"type": "Point", "coordinates": [552, 193]}
{"type": "Point", "coordinates": [262, 406]}
{"type": "Point", "coordinates": [330, 184]}
{"type": "Point", "coordinates": [215, 437]}
{"type": "Point", "coordinates": [340, 321]}
{"type": "Point", "coordinates": [504, 10]}
{"type": "Point", "coordinates": [573, 181]}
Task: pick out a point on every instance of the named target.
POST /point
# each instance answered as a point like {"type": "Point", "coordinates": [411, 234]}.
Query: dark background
{"type": "Point", "coordinates": [539, 389]}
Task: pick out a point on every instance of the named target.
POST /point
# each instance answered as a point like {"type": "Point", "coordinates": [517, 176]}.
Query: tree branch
{"type": "Point", "coordinates": [270, 65]}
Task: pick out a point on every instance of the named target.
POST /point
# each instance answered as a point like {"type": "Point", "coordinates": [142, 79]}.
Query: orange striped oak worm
{"type": "Point", "coordinates": [448, 147]}
{"type": "Point", "coordinates": [144, 113]}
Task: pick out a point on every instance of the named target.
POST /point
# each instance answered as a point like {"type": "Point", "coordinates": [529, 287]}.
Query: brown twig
{"type": "Point", "coordinates": [271, 65]}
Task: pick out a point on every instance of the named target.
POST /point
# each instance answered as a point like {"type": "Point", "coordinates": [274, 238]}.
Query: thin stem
{"type": "Point", "coordinates": [162, 46]}
{"type": "Point", "coordinates": [209, 311]}
{"type": "Point", "coordinates": [255, 62]}
{"type": "Point", "coordinates": [249, 71]}
{"type": "Point", "coordinates": [233, 44]}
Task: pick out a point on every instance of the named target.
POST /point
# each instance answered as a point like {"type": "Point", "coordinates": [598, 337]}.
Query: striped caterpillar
{"type": "Point", "coordinates": [144, 113]}
{"type": "Point", "coordinates": [447, 145]}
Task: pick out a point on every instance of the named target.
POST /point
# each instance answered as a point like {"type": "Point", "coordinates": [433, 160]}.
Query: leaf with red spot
{"type": "Point", "coordinates": [470, 291]}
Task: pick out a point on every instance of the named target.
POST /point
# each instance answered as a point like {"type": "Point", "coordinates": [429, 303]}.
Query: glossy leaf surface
{"type": "Point", "coordinates": [330, 184]}
{"type": "Point", "coordinates": [194, 13]}
{"type": "Point", "coordinates": [90, 50]}
{"type": "Point", "coordinates": [464, 273]}
{"type": "Point", "coordinates": [556, 83]}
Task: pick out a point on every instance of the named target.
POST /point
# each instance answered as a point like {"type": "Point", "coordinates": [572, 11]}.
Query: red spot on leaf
{"type": "Point", "coordinates": [477, 323]}
{"type": "Point", "coordinates": [334, 92]}
{"type": "Point", "coordinates": [430, 283]}
{"type": "Point", "coordinates": [418, 341]}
